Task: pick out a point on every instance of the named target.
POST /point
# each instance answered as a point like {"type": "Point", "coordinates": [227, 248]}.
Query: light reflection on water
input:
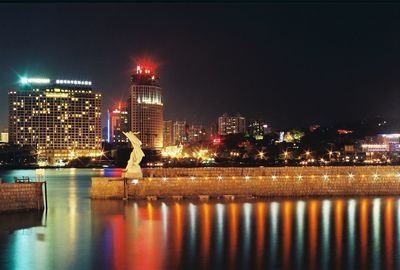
{"type": "Point", "coordinates": [303, 234]}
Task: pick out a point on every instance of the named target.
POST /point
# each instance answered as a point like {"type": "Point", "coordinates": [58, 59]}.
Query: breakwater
{"type": "Point", "coordinates": [205, 183]}
{"type": "Point", "coordinates": [21, 196]}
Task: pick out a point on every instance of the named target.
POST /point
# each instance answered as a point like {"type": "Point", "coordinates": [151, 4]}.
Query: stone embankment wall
{"type": "Point", "coordinates": [21, 196]}
{"type": "Point", "coordinates": [257, 182]}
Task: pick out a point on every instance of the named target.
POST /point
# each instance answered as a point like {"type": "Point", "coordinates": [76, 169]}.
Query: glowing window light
{"type": "Point", "coordinates": [57, 95]}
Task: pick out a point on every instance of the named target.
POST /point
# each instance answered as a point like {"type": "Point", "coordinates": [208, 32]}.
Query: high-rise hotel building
{"type": "Point", "coordinates": [61, 119]}
{"type": "Point", "coordinates": [146, 108]}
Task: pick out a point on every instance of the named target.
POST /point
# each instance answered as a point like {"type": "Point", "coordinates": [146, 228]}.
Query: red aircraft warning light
{"type": "Point", "coordinates": [143, 70]}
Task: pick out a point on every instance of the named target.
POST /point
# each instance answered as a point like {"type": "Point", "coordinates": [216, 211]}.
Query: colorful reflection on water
{"type": "Point", "coordinates": [312, 234]}
{"type": "Point", "coordinates": [237, 235]}
{"type": "Point", "coordinates": [338, 233]}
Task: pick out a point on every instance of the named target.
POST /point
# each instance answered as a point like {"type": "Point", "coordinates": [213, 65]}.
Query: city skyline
{"type": "Point", "coordinates": [200, 136]}
{"type": "Point", "coordinates": [270, 61]}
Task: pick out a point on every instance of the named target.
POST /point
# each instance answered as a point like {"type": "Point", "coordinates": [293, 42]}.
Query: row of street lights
{"type": "Point", "coordinates": [274, 177]}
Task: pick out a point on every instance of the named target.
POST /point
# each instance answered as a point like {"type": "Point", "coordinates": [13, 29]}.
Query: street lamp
{"type": "Point", "coordinates": [308, 153]}
{"type": "Point", "coordinates": [285, 154]}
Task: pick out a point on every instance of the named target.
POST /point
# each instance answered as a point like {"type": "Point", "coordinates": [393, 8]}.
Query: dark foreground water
{"type": "Point", "coordinates": [77, 233]}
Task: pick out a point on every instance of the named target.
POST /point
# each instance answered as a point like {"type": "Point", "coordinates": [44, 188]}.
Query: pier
{"type": "Point", "coordinates": [23, 196]}
{"type": "Point", "coordinates": [262, 182]}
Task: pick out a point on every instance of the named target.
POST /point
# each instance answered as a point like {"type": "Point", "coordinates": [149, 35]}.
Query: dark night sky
{"type": "Point", "coordinates": [290, 64]}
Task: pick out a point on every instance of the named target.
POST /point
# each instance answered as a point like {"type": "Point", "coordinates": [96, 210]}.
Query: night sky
{"type": "Point", "coordinates": [290, 64]}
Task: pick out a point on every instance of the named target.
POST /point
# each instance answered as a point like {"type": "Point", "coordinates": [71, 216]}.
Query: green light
{"type": "Point", "coordinates": [25, 80]}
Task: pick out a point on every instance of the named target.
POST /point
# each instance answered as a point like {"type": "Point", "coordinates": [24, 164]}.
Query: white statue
{"type": "Point", "coordinates": [133, 169]}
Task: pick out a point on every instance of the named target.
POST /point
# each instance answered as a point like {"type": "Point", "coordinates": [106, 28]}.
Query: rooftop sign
{"type": "Point", "coordinates": [34, 80]}
{"type": "Point", "coordinates": [25, 80]}
{"type": "Point", "coordinates": [75, 82]}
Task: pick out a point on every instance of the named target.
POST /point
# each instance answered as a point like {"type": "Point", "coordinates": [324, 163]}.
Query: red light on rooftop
{"type": "Point", "coordinates": [145, 65]}
{"type": "Point", "coordinates": [119, 106]}
{"type": "Point", "coordinates": [144, 70]}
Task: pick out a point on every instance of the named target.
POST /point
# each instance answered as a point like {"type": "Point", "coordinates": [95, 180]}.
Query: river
{"type": "Point", "coordinates": [77, 233]}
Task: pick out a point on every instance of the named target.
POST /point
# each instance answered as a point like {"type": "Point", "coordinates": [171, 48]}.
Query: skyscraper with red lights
{"type": "Point", "coordinates": [146, 108]}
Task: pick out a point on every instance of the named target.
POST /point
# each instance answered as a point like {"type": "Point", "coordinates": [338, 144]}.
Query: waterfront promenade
{"type": "Point", "coordinates": [206, 183]}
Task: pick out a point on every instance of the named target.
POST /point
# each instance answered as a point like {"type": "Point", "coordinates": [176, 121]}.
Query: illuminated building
{"type": "Point", "coordinates": [167, 133]}
{"type": "Point", "coordinates": [61, 119]}
{"type": "Point", "coordinates": [180, 132]}
{"type": "Point", "coordinates": [375, 148]}
{"type": "Point", "coordinates": [257, 129]}
{"type": "Point", "coordinates": [380, 147]}
{"type": "Point", "coordinates": [146, 108]}
{"type": "Point", "coordinates": [231, 124]}
{"type": "Point", "coordinates": [196, 133]}
{"type": "Point", "coordinates": [117, 123]}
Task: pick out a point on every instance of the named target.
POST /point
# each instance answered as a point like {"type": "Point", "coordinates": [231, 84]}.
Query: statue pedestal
{"type": "Point", "coordinates": [133, 172]}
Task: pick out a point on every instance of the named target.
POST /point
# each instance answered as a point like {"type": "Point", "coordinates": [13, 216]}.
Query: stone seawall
{"type": "Point", "coordinates": [21, 196]}
{"type": "Point", "coordinates": [253, 182]}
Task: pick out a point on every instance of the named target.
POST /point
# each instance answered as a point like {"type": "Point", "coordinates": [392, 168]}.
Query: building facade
{"type": "Point", "coordinates": [117, 123]}
{"type": "Point", "coordinates": [257, 129]}
{"type": "Point", "coordinates": [196, 133]}
{"type": "Point", "coordinates": [146, 108]}
{"type": "Point", "coordinates": [231, 124]}
{"type": "Point", "coordinates": [180, 132]}
{"type": "Point", "coordinates": [61, 119]}
{"type": "Point", "coordinates": [168, 133]}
